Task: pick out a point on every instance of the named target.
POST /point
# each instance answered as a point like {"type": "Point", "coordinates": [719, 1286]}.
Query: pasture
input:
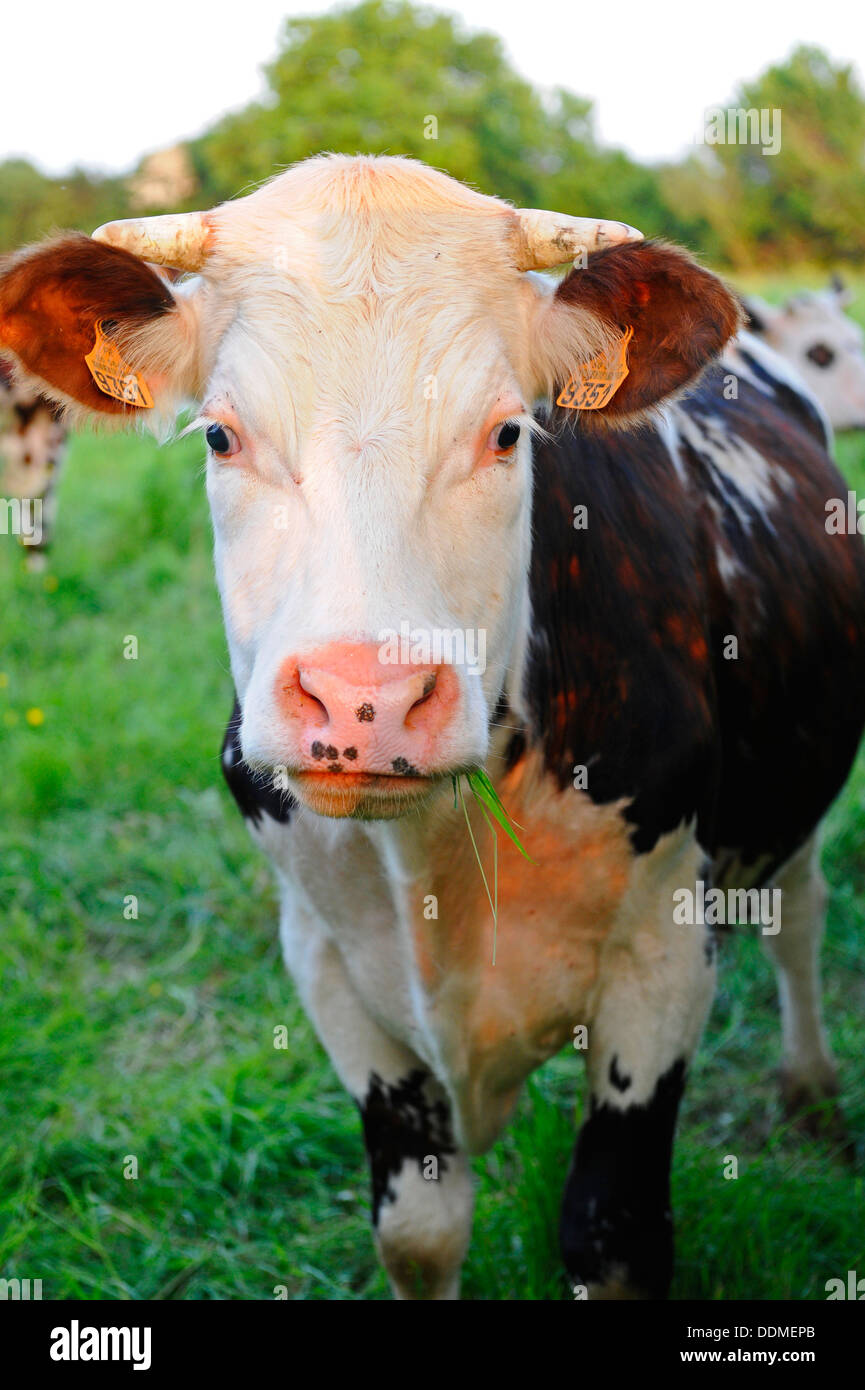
{"type": "Point", "coordinates": [152, 1037]}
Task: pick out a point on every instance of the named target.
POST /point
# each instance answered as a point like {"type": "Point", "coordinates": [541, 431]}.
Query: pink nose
{"type": "Point", "coordinates": [349, 711]}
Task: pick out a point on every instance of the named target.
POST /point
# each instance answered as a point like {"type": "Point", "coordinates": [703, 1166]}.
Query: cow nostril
{"type": "Point", "coordinates": [429, 686]}
{"type": "Point", "coordinates": [313, 705]}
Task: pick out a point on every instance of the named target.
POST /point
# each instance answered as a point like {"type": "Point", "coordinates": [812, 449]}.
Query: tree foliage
{"type": "Point", "coordinates": [32, 204]}
{"type": "Point", "coordinates": [808, 200]}
{"type": "Point", "coordinates": [387, 77]}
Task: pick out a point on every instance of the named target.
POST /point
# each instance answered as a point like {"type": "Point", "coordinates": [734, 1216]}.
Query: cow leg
{"type": "Point", "coordinates": [807, 1070]}
{"type": "Point", "coordinates": [655, 990]}
{"type": "Point", "coordinates": [37, 551]}
{"type": "Point", "coordinates": [422, 1194]}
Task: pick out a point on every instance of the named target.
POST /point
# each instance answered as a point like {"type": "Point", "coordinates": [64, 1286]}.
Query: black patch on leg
{"type": "Point", "coordinates": [253, 792]}
{"type": "Point", "coordinates": [616, 1222]}
{"type": "Point", "coordinates": [399, 1123]}
{"type": "Point", "coordinates": [617, 1078]}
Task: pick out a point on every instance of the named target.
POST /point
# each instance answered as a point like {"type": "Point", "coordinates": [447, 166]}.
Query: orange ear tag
{"type": "Point", "coordinates": [598, 381]}
{"type": "Point", "coordinates": [112, 375]}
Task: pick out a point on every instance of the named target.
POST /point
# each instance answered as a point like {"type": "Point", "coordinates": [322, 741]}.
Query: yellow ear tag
{"type": "Point", "coordinates": [112, 375]}
{"type": "Point", "coordinates": [598, 381]}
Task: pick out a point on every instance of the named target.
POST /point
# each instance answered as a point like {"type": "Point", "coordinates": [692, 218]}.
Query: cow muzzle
{"type": "Point", "coordinates": [366, 738]}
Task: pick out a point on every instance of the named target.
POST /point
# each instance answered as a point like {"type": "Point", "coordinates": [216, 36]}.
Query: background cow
{"type": "Point", "coordinates": [673, 690]}
{"type": "Point", "coordinates": [819, 340]}
{"type": "Point", "coordinates": [33, 445]}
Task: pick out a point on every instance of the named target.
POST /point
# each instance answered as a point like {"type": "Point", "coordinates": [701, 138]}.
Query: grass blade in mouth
{"type": "Point", "coordinates": [493, 906]}
{"type": "Point", "coordinates": [487, 795]}
{"type": "Point", "coordinates": [489, 802]}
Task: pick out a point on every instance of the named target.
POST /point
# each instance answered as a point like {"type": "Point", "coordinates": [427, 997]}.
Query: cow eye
{"type": "Point", "coordinates": [503, 438]}
{"type": "Point", "coordinates": [222, 440]}
{"type": "Point", "coordinates": [821, 355]}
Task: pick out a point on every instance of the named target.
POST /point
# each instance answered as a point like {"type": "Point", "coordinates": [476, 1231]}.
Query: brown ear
{"type": "Point", "coordinates": [53, 295]}
{"type": "Point", "coordinates": [681, 314]}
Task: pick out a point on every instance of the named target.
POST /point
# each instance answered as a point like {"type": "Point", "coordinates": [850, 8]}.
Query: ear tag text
{"type": "Point", "coordinates": [597, 381]}
{"type": "Point", "coordinates": [112, 375]}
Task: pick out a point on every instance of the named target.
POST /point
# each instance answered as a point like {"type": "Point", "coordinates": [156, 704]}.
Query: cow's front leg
{"type": "Point", "coordinates": [422, 1194]}
{"type": "Point", "coordinates": [654, 992]}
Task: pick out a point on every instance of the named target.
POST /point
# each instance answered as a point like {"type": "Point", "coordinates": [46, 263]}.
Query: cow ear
{"type": "Point", "coordinates": [681, 316]}
{"type": "Point", "coordinates": [760, 317]}
{"type": "Point", "coordinates": [841, 293]}
{"type": "Point", "coordinates": [55, 296]}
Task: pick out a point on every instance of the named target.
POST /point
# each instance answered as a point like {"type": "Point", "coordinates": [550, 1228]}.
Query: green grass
{"type": "Point", "coordinates": [152, 1038]}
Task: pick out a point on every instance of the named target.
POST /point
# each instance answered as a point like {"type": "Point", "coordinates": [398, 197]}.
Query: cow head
{"type": "Point", "coordinates": [827, 349]}
{"type": "Point", "coordinates": [365, 347]}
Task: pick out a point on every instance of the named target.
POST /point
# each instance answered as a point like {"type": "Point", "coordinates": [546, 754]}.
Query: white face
{"type": "Point", "coordinates": [828, 351]}
{"type": "Point", "coordinates": [369, 475]}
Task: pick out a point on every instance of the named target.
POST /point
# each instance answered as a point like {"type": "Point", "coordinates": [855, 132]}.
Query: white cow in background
{"type": "Point", "coordinates": [823, 344]}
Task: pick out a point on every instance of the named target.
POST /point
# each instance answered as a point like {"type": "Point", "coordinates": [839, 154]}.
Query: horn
{"type": "Point", "coordinates": [178, 239]}
{"type": "Point", "coordinates": [545, 239]}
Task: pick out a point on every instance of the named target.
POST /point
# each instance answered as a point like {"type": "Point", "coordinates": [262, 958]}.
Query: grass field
{"type": "Point", "coordinates": [152, 1038]}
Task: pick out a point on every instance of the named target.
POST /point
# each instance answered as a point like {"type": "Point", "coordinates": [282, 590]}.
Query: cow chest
{"type": "Point", "coordinates": [482, 1003]}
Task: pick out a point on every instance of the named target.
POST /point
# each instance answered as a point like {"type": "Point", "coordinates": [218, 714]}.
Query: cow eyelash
{"type": "Point", "coordinates": [221, 439]}
{"type": "Point", "coordinates": [504, 436]}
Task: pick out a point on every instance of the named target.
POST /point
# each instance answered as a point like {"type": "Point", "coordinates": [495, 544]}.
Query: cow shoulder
{"type": "Point", "coordinates": [619, 681]}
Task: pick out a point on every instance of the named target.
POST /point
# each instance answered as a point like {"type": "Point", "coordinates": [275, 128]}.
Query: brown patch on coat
{"type": "Point", "coordinates": [554, 913]}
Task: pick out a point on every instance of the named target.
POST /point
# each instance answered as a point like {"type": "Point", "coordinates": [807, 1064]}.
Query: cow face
{"type": "Point", "coordinates": [368, 413]}
{"type": "Point", "coordinates": [365, 350]}
{"type": "Point", "coordinates": [826, 348]}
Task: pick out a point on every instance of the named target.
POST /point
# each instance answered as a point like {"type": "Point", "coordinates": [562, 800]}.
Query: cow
{"type": "Point", "coordinates": [33, 444]}
{"type": "Point", "coordinates": [822, 343]}
{"type": "Point", "coordinates": [413, 429]}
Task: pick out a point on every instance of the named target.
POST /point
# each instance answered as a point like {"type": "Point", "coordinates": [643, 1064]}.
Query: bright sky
{"type": "Point", "coordinates": [105, 89]}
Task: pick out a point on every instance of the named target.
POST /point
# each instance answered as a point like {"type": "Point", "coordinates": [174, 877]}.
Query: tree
{"type": "Point", "coordinates": [388, 78]}
{"type": "Point", "coordinates": [32, 204]}
{"type": "Point", "coordinates": [808, 200]}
